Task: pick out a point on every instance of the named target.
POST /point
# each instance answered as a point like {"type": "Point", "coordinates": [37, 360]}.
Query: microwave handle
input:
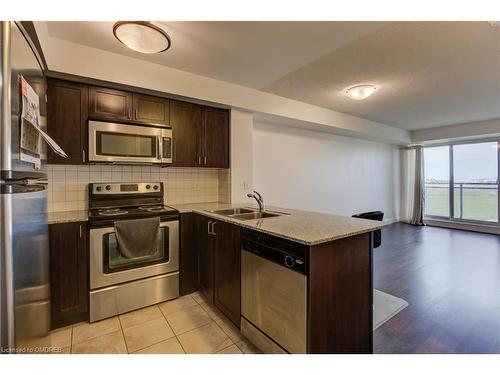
{"type": "Point", "coordinates": [159, 148]}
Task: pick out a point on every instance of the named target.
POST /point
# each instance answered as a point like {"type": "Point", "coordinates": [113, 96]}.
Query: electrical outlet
{"type": "Point", "coordinates": [246, 185]}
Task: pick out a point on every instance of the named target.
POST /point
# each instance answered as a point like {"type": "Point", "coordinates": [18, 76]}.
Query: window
{"type": "Point", "coordinates": [468, 173]}
{"type": "Point", "coordinates": [475, 178]}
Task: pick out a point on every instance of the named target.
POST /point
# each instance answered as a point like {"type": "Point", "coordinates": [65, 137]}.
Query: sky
{"type": "Point", "coordinates": [472, 162]}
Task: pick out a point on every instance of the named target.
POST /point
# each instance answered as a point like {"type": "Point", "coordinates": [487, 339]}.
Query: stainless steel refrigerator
{"type": "Point", "coordinates": [24, 251]}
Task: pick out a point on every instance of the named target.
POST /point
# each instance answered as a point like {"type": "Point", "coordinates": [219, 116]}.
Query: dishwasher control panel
{"type": "Point", "coordinates": [282, 252]}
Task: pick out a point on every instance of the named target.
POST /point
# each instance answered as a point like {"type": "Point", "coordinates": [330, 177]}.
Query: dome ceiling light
{"type": "Point", "coordinates": [141, 36]}
{"type": "Point", "coordinates": [360, 92]}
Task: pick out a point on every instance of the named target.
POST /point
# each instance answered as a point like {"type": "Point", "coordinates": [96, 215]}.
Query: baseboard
{"type": "Point", "coordinates": [393, 220]}
{"type": "Point", "coordinates": [490, 229]}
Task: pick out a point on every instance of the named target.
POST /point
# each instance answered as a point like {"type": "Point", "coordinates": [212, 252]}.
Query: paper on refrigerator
{"type": "Point", "coordinates": [30, 144]}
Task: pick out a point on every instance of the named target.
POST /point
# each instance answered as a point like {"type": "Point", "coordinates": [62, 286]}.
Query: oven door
{"type": "Point", "coordinates": [108, 267]}
{"type": "Point", "coordinates": [124, 143]}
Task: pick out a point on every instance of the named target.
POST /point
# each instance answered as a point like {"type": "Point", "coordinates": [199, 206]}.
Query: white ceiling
{"type": "Point", "coordinates": [428, 73]}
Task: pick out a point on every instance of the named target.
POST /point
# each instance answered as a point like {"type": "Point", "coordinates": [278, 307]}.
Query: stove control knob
{"type": "Point", "coordinates": [289, 261]}
{"type": "Point", "coordinates": [99, 188]}
{"type": "Point", "coordinates": [108, 187]}
{"type": "Point", "coordinates": [148, 186]}
{"type": "Point", "coordinates": [155, 187]}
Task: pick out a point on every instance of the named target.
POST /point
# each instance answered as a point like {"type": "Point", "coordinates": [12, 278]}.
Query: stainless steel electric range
{"type": "Point", "coordinates": [119, 284]}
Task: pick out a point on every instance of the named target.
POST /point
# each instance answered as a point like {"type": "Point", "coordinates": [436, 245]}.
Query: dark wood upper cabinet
{"type": "Point", "coordinates": [67, 113]}
{"type": "Point", "coordinates": [68, 273]}
{"type": "Point", "coordinates": [227, 272]}
{"type": "Point", "coordinates": [201, 135]}
{"type": "Point", "coordinates": [216, 137]}
{"type": "Point", "coordinates": [150, 109]}
{"type": "Point", "coordinates": [110, 104]}
{"type": "Point", "coordinates": [186, 120]}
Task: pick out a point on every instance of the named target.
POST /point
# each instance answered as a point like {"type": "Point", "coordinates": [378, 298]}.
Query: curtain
{"type": "Point", "coordinates": [412, 195]}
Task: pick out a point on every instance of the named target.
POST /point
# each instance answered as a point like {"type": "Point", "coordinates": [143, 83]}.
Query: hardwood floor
{"type": "Point", "coordinates": [451, 280]}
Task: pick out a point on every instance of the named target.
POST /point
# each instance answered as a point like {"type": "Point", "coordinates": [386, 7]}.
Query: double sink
{"type": "Point", "coordinates": [246, 213]}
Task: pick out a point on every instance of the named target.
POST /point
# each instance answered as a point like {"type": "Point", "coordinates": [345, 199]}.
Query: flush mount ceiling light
{"type": "Point", "coordinates": [360, 92]}
{"type": "Point", "coordinates": [141, 36]}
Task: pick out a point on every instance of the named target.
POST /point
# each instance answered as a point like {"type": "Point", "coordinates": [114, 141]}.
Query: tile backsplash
{"type": "Point", "coordinates": [68, 191]}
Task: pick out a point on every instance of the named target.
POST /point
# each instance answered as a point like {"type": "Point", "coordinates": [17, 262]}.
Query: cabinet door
{"type": "Point", "coordinates": [204, 247]}
{"type": "Point", "coordinates": [150, 109]}
{"type": "Point", "coordinates": [108, 104]}
{"type": "Point", "coordinates": [67, 113]}
{"type": "Point", "coordinates": [227, 273]}
{"type": "Point", "coordinates": [188, 257]}
{"type": "Point", "coordinates": [68, 273]}
{"type": "Point", "coordinates": [216, 138]}
{"type": "Point", "coordinates": [186, 120]}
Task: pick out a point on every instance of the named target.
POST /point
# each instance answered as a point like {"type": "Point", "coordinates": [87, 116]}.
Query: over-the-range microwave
{"type": "Point", "coordinates": [129, 144]}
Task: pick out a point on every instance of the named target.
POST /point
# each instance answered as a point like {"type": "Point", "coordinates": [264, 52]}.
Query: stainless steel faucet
{"type": "Point", "coordinates": [255, 195]}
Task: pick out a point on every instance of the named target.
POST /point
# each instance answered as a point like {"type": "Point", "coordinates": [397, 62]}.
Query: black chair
{"type": "Point", "coordinates": [373, 215]}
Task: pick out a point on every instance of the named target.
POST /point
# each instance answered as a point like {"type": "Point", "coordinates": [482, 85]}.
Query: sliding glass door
{"type": "Point", "coordinates": [437, 181]}
{"type": "Point", "coordinates": [462, 182]}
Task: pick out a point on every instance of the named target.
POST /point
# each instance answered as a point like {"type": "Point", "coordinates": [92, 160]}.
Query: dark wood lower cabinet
{"type": "Point", "coordinates": [227, 271]}
{"type": "Point", "coordinates": [68, 273]}
{"type": "Point", "coordinates": [188, 256]}
{"type": "Point", "coordinates": [204, 249]}
{"type": "Point", "coordinates": [340, 296]}
{"type": "Point", "coordinates": [210, 262]}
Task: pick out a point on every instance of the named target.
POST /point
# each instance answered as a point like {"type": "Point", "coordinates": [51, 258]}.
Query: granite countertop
{"type": "Point", "coordinates": [67, 216]}
{"type": "Point", "coordinates": [309, 228]}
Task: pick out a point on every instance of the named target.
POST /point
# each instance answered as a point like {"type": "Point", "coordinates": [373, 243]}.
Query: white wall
{"type": "Point", "coordinates": [241, 155]}
{"type": "Point", "coordinates": [321, 172]}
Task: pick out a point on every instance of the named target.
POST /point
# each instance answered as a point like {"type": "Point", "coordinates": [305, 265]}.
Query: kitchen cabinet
{"type": "Point", "coordinates": [215, 138]}
{"type": "Point", "coordinates": [188, 262]}
{"type": "Point", "coordinates": [227, 272]}
{"type": "Point", "coordinates": [68, 273]}
{"type": "Point", "coordinates": [67, 114]}
{"type": "Point", "coordinates": [201, 135]}
{"type": "Point", "coordinates": [186, 121]}
{"type": "Point", "coordinates": [109, 104]}
{"type": "Point", "coordinates": [205, 256]}
{"type": "Point", "coordinates": [151, 109]}
{"type": "Point", "coordinates": [218, 249]}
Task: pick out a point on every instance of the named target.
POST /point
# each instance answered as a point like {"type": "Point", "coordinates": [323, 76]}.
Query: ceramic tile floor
{"type": "Point", "coordinates": [187, 324]}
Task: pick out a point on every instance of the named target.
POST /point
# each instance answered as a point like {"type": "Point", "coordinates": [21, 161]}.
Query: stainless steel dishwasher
{"type": "Point", "coordinates": [273, 293]}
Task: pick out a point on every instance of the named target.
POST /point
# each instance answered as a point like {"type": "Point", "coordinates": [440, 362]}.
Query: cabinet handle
{"type": "Point", "coordinates": [213, 228]}
{"type": "Point", "coordinates": [199, 160]}
{"type": "Point", "coordinates": [83, 156]}
{"type": "Point", "coordinates": [208, 227]}
{"type": "Point", "coordinates": [135, 114]}
{"type": "Point", "coordinates": [80, 227]}
{"type": "Point", "coordinates": [205, 159]}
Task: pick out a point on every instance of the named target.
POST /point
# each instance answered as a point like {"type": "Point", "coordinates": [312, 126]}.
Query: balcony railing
{"type": "Point", "coordinates": [471, 200]}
